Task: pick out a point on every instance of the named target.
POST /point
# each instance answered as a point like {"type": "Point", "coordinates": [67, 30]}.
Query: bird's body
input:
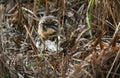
{"type": "Point", "coordinates": [50, 34]}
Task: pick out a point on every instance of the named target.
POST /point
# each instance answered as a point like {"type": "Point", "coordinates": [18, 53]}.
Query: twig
{"type": "Point", "coordinates": [113, 63]}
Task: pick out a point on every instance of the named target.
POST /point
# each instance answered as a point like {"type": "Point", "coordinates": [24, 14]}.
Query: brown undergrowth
{"type": "Point", "coordinates": [91, 48]}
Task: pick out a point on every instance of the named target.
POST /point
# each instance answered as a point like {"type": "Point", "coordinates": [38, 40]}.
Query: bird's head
{"type": "Point", "coordinates": [48, 27]}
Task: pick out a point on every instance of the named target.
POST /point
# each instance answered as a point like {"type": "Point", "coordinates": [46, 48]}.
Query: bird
{"type": "Point", "coordinates": [48, 28]}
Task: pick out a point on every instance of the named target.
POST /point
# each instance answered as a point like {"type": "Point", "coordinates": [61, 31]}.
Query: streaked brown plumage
{"type": "Point", "coordinates": [48, 27]}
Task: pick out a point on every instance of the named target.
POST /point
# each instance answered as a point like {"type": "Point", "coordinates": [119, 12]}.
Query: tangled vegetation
{"type": "Point", "coordinates": [90, 48]}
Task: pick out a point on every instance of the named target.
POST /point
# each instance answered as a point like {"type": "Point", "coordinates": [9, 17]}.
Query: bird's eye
{"type": "Point", "coordinates": [45, 28]}
{"type": "Point", "coordinates": [56, 24]}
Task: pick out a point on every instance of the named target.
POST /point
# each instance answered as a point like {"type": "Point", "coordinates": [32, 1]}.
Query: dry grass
{"type": "Point", "coordinates": [91, 48]}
